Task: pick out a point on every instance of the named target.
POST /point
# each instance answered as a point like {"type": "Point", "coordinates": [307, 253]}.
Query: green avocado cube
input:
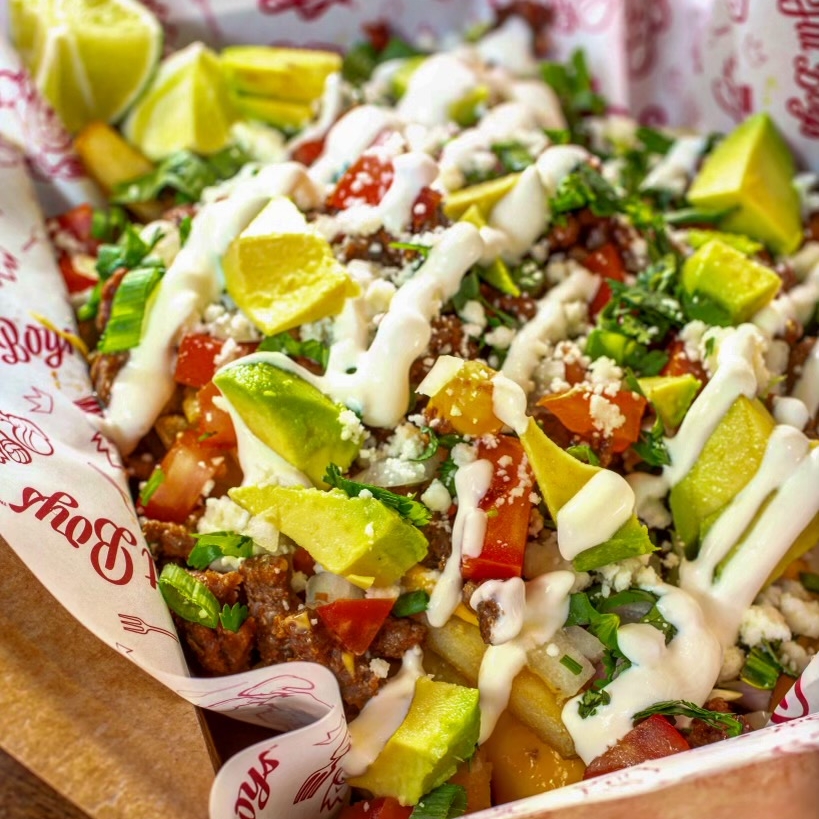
{"type": "Point", "coordinates": [752, 170]}
{"type": "Point", "coordinates": [737, 284]}
{"type": "Point", "coordinates": [348, 536]}
{"type": "Point", "coordinates": [560, 476]}
{"type": "Point", "coordinates": [440, 731]}
{"type": "Point", "coordinates": [291, 416]}
{"type": "Point", "coordinates": [729, 459]}
{"type": "Point", "coordinates": [670, 395]}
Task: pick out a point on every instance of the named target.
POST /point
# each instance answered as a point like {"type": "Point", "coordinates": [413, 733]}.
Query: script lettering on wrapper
{"type": "Point", "coordinates": [254, 791]}
{"type": "Point", "coordinates": [21, 345]}
{"type": "Point", "coordinates": [109, 555]}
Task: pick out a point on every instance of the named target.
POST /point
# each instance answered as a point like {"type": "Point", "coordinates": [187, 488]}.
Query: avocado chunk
{"type": "Point", "coordinates": [348, 536]}
{"type": "Point", "coordinates": [291, 416]}
{"type": "Point", "coordinates": [670, 395]}
{"type": "Point", "coordinates": [697, 237]}
{"type": "Point", "coordinates": [752, 169]}
{"type": "Point", "coordinates": [560, 476]}
{"type": "Point", "coordinates": [497, 271]}
{"type": "Point", "coordinates": [439, 732]}
{"type": "Point", "coordinates": [294, 74]}
{"type": "Point", "coordinates": [729, 459]}
{"type": "Point", "coordinates": [725, 276]}
{"type": "Point", "coordinates": [484, 195]}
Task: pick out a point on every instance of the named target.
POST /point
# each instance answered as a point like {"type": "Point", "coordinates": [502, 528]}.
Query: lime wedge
{"type": "Point", "coordinates": [292, 74]}
{"type": "Point", "coordinates": [187, 105]}
{"type": "Point", "coordinates": [90, 58]}
{"type": "Point", "coordinates": [282, 273]}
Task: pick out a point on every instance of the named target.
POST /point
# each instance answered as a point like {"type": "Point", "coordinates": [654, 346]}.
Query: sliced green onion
{"type": "Point", "coordinates": [151, 485]}
{"type": "Point", "coordinates": [124, 328]}
{"type": "Point", "coordinates": [571, 664]}
{"type": "Point", "coordinates": [761, 669]}
{"type": "Point", "coordinates": [810, 580]}
{"type": "Point", "coordinates": [695, 216]}
{"type": "Point", "coordinates": [185, 226]}
{"type": "Point", "coordinates": [413, 602]}
{"type": "Point", "coordinates": [213, 545]}
{"type": "Point", "coordinates": [418, 248]}
{"type": "Point", "coordinates": [191, 599]}
{"type": "Point", "coordinates": [108, 226]}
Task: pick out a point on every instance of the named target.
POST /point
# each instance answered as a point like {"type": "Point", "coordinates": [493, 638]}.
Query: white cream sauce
{"type": "Point", "coordinates": [521, 215]}
{"type": "Point", "coordinates": [471, 484]}
{"type": "Point", "coordinates": [348, 138]}
{"type": "Point", "coordinates": [790, 470]}
{"type": "Point", "coordinates": [144, 385]}
{"type": "Point", "coordinates": [594, 514]}
{"type": "Point", "coordinates": [510, 597]}
{"type": "Point", "coordinates": [382, 715]}
{"type": "Point", "coordinates": [550, 324]}
{"type": "Point", "coordinates": [434, 86]}
{"type": "Point", "coordinates": [673, 172]}
{"type": "Point", "coordinates": [510, 46]}
{"type": "Point", "coordinates": [685, 669]}
{"type": "Point", "coordinates": [546, 609]}
{"type": "Point", "coordinates": [379, 387]}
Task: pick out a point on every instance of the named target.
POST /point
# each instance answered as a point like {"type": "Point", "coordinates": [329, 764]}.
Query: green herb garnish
{"type": "Point", "coordinates": [312, 349]}
{"type": "Point", "coordinates": [731, 725]}
{"type": "Point", "coordinates": [445, 802]}
{"type": "Point", "coordinates": [150, 486]}
{"type": "Point", "coordinates": [414, 602]}
{"type": "Point", "coordinates": [211, 546]}
{"type": "Point", "coordinates": [414, 511]}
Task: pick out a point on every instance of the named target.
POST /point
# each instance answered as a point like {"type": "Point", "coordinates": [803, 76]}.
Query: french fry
{"type": "Point", "coordinates": [531, 701]}
{"type": "Point", "coordinates": [110, 160]}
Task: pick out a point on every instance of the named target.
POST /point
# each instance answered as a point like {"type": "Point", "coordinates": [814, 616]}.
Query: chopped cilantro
{"type": "Point", "coordinates": [211, 546]}
{"type": "Point", "coordinates": [584, 453]}
{"type": "Point", "coordinates": [414, 511]}
{"type": "Point", "coordinates": [413, 602]}
{"type": "Point", "coordinates": [311, 348]}
{"type": "Point", "coordinates": [232, 617]}
{"type": "Point", "coordinates": [651, 446]}
{"type": "Point", "coordinates": [445, 802]}
{"type": "Point", "coordinates": [434, 441]}
{"type": "Point", "coordinates": [183, 172]}
{"type": "Point", "coordinates": [586, 188]}
{"type": "Point", "coordinates": [591, 700]}
{"type": "Point", "coordinates": [728, 723]}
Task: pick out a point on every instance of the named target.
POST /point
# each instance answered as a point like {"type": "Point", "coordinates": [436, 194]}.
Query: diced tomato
{"type": "Point", "coordinates": [573, 410]}
{"type": "Point", "coordinates": [607, 263]}
{"type": "Point", "coordinates": [425, 210]}
{"type": "Point", "coordinates": [356, 622]}
{"type": "Point", "coordinates": [78, 272]}
{"type": "Point", "coordinates": [680, 364]}
{"type": "Point", "coordinates": [378, 33]}
{"type": "Point", "coordinates": [385, 807]}
{"type": "Point", "coordinates": [196, 359]}
{"type": "Point", "coordinates": [653, 738]}
{"type": "Point", "coordinates": [188, 466]}
{"type": "Point", "coordinates": [364, 183]}
{"type": "Point", "coordinates": [309, 151]}
{"type": "Point", "coordinates": [214, 428]}
{"type": "Point", "coordinates": [303, 561]}
{"type": "Point", "coordinates": [507, 505]}
{"type": "Point", "coordinates": [78, 222]}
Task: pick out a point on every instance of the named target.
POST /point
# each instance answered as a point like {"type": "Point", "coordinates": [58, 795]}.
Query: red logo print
{"type": "Point", "coordinates": [20, 345]}
{"type": "Point", "coordinates": [644, 22]}
{"type": "Point", "coordinates": [20, 439]}
{"type": "Point", "coordinates": [254, 791]}
{"type": "Point", "coordinates": [306, 9]}
{"type": "Point", "coordinates": [108, 556]}
{"type": "Point", "coordinates": [47, 143]}
{"type": "Point", "coordinates": [8, 267]}
{"type": "Point", "coordinates": [586, 15]}
{"type": "Point", "coordinates": [733, 97]}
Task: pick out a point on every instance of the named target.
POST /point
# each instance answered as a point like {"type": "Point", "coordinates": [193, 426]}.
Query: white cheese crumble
{"type": "Point", "coordinates": [763, 623]}
{"type": "Point", "coordinates": [351, 427]}
{"type": "Point", "coordinates": [794, 657]}
{"type": "Point", "coordinates": [802, 616]}
{"type": "Point", "coordinates": [606, 417]}
{"type": "Point", "coordinates": [380, 668]}
{"type": "Point", "coordinates": [436, 497]}
{"type": "Point", "coordinates": [732, 662]}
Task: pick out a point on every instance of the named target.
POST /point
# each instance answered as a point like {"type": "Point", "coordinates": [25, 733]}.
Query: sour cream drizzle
{"type": "Point", "coordinates": [379, 387]}
{"type": "Point", "coordinates": [790, 469]}
{"type": "Point", "coordinates": [684, 669]}
{"type": "Point", "coordinates": [434, 86]}
{"type": "Point", "coordinates": [550, 324]}
{"type": "Point", "coordinates": [676, 168]}
{"type": "Point", "coordinates": [144, 385]}
{"type": "Point", "coordinates": [594, 514]}
{"type": "Point", "coordinates": [471, 484]}
{"type": "Point", "coordinates": [382, 715]}
{"type": "Point", "coordinates": [546, 609]}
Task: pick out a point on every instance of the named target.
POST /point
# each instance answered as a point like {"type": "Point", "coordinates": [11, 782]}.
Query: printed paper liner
{"type": "Point", "coordinates": [64, 505]}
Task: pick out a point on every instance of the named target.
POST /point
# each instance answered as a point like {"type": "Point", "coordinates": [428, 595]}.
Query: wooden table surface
{"type": "Point", "coordinates": [24, 796]}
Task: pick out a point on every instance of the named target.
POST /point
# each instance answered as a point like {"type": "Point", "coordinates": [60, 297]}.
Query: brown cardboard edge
{"type": "Point", "coordinates": [101, 732]}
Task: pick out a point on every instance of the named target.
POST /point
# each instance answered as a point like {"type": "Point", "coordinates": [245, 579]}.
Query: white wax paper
{"type": "Point", "coordinates": [64, 506]}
